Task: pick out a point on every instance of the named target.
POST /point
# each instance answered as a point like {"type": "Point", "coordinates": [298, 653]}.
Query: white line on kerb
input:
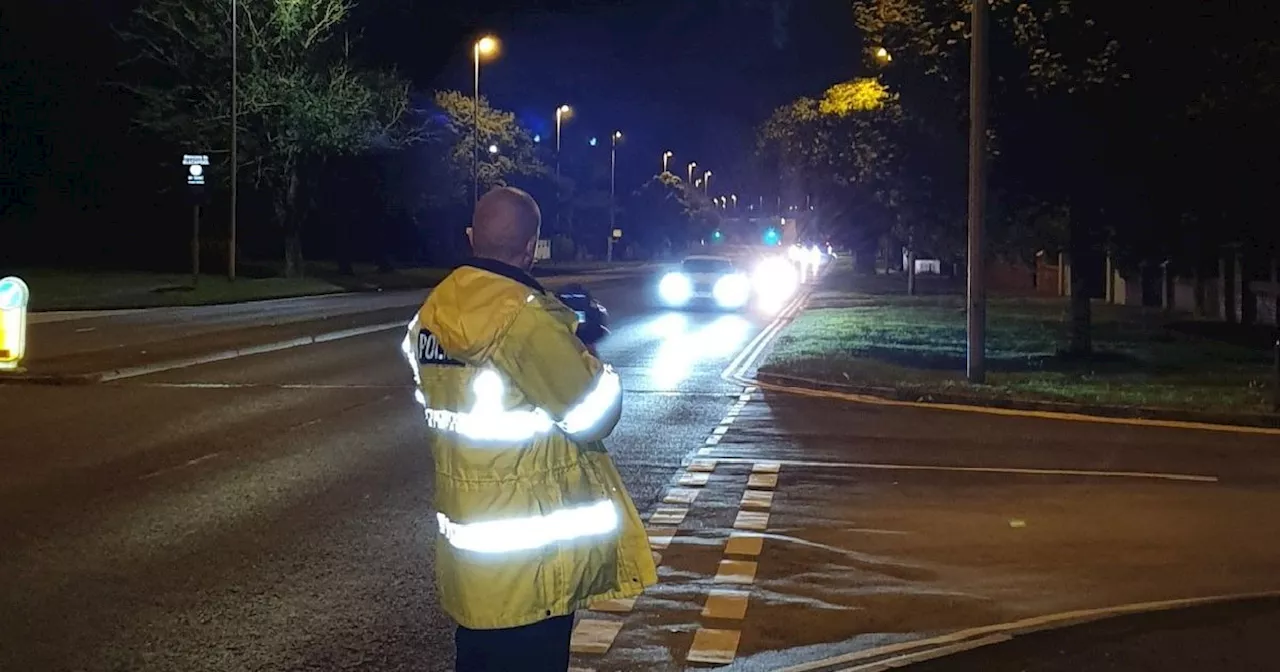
{"type": "Point", "coordinates": [1022, 627]}
{"type": "Point", "coordinates": [1194, 478]}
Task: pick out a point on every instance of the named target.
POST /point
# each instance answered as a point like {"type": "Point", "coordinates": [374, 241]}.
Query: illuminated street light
{"type": "Point", "coordinates": [666, 156]}
{"type": "Point", "coordinates": [562, 113]}
{"type": "Point", "coordinates": [706, 182]}
{"type": "Point", "coordinates": [613, 209]}
{"type": "Point", "coordinates": [883, 55]}
{"type": "Point", "coordinates": [493, 149]}
{"type": "Point", "coordinates": [692, 165]}
{"type": "Point", "coordinates": [485, 46]}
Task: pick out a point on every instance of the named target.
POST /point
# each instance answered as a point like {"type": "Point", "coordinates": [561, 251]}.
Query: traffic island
{"type": "Point", "coordinates": [865, 336]}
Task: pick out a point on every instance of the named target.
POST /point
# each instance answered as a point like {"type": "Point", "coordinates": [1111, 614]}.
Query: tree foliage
{"type": "Point", "coordinates": [450, 134]}
{"type": "Point", "coordinates": [300, 97]}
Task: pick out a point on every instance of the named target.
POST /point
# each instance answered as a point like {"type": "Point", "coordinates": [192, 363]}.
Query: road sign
{"type": "Point", "coordinates": [14, 297]}
{"type": "Point", "coordinates": [195, 167]}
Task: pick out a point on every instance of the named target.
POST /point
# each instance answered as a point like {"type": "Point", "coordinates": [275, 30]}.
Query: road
{"type": "Point", "coordinates": [273, 513]}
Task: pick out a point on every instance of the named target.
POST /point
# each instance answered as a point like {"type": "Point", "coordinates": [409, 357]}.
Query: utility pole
{"type": "Point", "coordinates": [976, 367]}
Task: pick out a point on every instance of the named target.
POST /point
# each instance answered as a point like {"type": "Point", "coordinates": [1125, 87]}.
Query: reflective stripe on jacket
{"type": "Point", "coordinates": [533, 520]}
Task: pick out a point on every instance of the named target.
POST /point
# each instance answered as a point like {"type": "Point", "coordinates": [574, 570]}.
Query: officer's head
{"type": "Point", "coordinates": [505, 227]}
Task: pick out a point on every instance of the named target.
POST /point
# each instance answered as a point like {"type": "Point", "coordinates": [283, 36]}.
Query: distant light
{"type": "Point", "coordinates": [592, 142]}
{"type": "Point", "coordinates": [537, 138]}
{"type": "Point", "coordinates": [493, 149]}
{"type": "Point", "coordinates": [617, 135]}
{"type": "Point", "coordinates": [486, 45]}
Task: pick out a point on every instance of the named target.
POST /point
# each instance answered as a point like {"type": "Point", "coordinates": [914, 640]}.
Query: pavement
{"type": "Point", "coordinates": [272, 512]}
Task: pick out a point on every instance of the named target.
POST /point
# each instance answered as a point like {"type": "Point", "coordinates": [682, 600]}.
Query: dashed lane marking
{"type": "Point", "coordinates": [619, 606]}
{"type": "Point", "coordinates": [707, 466]}
{"type": "Point", "coordinates": [690, 479]}
{"type": "Point", "coordinates": [593, 635]}
{"type": "Point", "coordinates": [715, 647]}
{"type": "Point", "coordinates": [736, 571]}
{"type": "Point", "coordinates": [669, 516]}
{"type": "Point", "coordinates": [758, 467]}
{"type": "Point", "coordinates": [762, 481]}
{"type": "Point", "coordinates": [751, 520]}
{"type": "Point", "coordinates": [712, 440]}
{"type": "Point", "coordinates": [742, 543]}
{"type": "Point", "coordinates": [684, 496]}
{"type": "Point", "coordinates": [660, 537]}
{"type": "Point", "coordinates": [757, 499]}
{"type": "Point", "coordinates": [726, 604]}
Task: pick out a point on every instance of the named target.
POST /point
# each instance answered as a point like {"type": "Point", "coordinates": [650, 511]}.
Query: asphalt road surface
{"type": "Point", "coordinates": [273, 512]}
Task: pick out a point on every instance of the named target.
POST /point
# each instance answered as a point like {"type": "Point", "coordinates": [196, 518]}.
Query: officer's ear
{"type": "Point", "coordinates": [471, 237]}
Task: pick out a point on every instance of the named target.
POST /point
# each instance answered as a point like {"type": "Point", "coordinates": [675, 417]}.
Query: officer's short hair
{"type": "Point", "coordinates": [505, 220]}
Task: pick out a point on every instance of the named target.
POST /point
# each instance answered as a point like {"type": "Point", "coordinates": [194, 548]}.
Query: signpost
{"type": "Point", "coordinates": [195, 166]}
{"type": "Point", "coordinates": [615, 235]}
{"type": "Point", "coordinates": [14, 297]}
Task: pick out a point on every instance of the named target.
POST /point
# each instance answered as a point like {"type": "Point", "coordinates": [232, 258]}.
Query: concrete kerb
{"type": "Point", "coordinates": [223, 355]}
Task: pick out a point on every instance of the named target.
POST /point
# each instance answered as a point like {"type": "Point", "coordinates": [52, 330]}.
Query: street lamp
{"type": "Point", "coordinates": [613, 165]}
{"type": "Point", "coordinates": [735, 200]}
{"type": "Point", "coordinates": [235, 118]}
{"type": "Point", "coordinates": [561, 112]}
{"type": "Point", "coordinates": [484, 46]}
{"type": "Point", "coordinates": [883, 55]}
{"type": "Point", "coordinates": [493, 149]}
{"type": "Point", "coordinates": [692, 165]}
{"type": "Point", "coordinates": [665, 157]}
{"type": "Point", "coordinates": [706, 182]}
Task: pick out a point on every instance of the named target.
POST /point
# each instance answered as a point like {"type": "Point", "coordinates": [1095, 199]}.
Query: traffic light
{"type": "Point", "coordinates": [716, 235]}
{"type": "Point", "coordinates": [771, 236]}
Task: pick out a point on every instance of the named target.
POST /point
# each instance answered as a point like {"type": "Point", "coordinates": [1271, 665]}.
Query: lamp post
{"type": "Point", "coordinates": [561, 113]}
{"type": "Point", "coordinates": [235, 117]}
{"type": "Point", "coordinates": [976, 291]}
{"type": "Point", "coordinates": [735, 200]}
{"type": "Point", "coordinates": [692, 165]}
{"type": "Point", "coordinates": [613, 165]}
{"type": "Point", "coordinates": [483, 47]}
{"type": "Point", "coordinates": [666, 156]}
{"type": "Point", "coordinates": [706, 182]}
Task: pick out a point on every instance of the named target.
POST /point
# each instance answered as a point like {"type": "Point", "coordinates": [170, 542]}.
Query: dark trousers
{"type": "Point", "coordinates": [538, 647]}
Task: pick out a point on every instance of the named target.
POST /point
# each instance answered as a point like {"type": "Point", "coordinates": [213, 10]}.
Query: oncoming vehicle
{"type": "Point", "coordinates": [706, 279]}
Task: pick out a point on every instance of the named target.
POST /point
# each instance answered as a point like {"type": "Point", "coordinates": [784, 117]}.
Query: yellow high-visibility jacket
{"type": "Point", "coordinates": [533, 519]}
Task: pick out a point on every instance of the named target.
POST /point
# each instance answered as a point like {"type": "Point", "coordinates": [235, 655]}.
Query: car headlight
{"type": "Point", "coordinates": [675, 288]}
{"type": "Point", "coordinates": [775, 278]}
{"type": "Point", "coordinates": [732, 291]}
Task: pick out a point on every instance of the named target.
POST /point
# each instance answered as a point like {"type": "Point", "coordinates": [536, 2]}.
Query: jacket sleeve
{"type": "Point", "coordinates": [556, 373]}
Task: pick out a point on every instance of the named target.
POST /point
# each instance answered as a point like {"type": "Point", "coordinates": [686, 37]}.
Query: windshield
{"type": "Point", "coordinates": [707, 266]}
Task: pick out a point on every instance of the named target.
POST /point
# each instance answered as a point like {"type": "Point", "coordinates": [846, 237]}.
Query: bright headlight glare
{"type": "Point", "coordinates": [732, 291]}
{"type": "Point", "coordinates": [775, 277]}
{"type": "Point", "coordinates": [675, 288]}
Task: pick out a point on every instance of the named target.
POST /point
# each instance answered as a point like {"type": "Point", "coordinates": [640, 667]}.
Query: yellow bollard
{"type": "Point", "coordinates": [14, 297]}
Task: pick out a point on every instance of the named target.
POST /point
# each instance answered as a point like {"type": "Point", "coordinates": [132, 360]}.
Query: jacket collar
{"type": "Point", "coordinates": [505, 270]}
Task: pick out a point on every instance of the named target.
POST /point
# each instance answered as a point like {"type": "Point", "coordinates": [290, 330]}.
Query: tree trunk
{"type": "Point", "coordinates": [911, 271]}
{"type": "Point", "coordinates": [286, 212]}
{"type": "Point", "coordinates": [1080, 336]}
{"type": "Point", "coordinates": [1198, 291]}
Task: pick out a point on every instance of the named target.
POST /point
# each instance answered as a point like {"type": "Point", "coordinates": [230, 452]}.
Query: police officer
{"type": "Point", "coordinates": [533, 520]}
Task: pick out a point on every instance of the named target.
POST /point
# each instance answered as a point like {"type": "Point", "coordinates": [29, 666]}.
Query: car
{"type": "Point", "coordinates": [593, 317]}
{"type": "Point", "coordinates": [706, 279]}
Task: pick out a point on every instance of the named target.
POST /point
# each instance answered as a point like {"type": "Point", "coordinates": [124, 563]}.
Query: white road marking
{"type": "Point", "coordinates": [681, 496]}
{"type": "Point", "coordinates": [721, 430]}
{"type": "Point", "coordinates": [184, 465]}
{"type": "Point", "coordinates": [715, 647]}
{"type": "Point", "coordinates": [660, 537]}
{"type": "Point", "coordinates": [619, 606]}
{"type": "Point", "coordinates": [594, 635]}
{"type": "Point", "coordinates": [713, 440]}
{"type": "Point", "coordinates": [1027, 471]}
{"type": "Point", "coordinates": [921, 656]}
{"type": "Point", "coordinates": [762, 481]}
{"type": "Point", "coordinates": [669, 516]}
{"type": "Point", "coordinates": [751, 520]}
{"type": "Point", "coordinates": [757, 499]}
{"type": "Point", "coordinates": [702, 466]}
{"type": "Point", "coordinates": [741, 543]}
{"type": "Point", "coordinates": [731, 604]}
{"type": "Point", "coordinates": [770, 467]}
{"type": "Point", "coordinates": [1027, 626]}
{"type": "Point", "coordinates": [691, 479]}
{"type": "Point", "coordinates": [736, 571]}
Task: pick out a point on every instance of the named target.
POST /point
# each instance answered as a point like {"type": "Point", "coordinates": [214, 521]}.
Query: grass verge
{"type": "Point", "coordinates": [916, 344]}
{"type": "Point", "coordinates": [83, 290]}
